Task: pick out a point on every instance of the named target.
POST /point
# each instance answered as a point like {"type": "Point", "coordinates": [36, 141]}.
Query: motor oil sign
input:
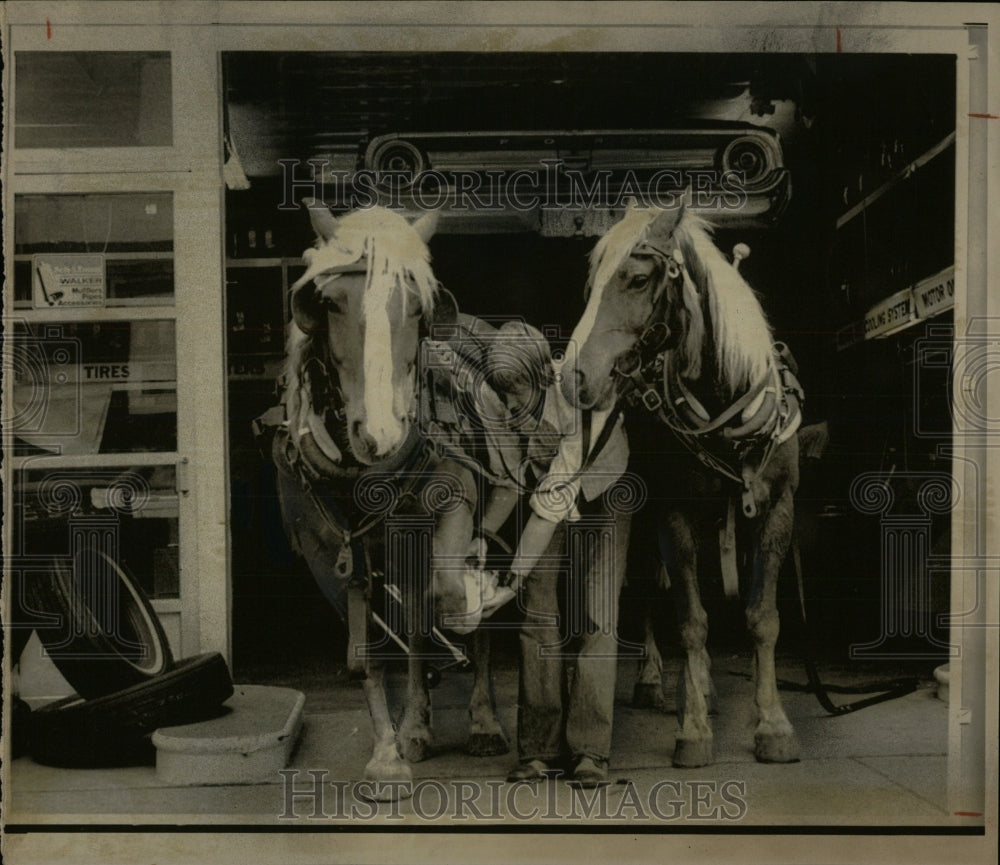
{"type": "Point", "coordinates": [935, 294]}
{"type": "Point", "coordinates": [67, 280]}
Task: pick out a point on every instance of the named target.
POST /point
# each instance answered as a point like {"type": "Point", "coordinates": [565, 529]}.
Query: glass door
{"type": "Point", "coordinates": [113, 325]}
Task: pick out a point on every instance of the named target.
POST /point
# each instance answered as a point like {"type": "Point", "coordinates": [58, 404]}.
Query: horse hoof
{"type": "Point", "coordinates": [486, 744]}
{"type": "Point", "coordinates": [391, 780]}
{"type": "Point", "coordinates": [776, 748]}
{"type": "Point", "coordinates": [416, 749]}
{"type": "Point", "coordinates": [692, 753]}
{"type": "Point", "coordinates": [648, 695]}
{"type": "Point", "coordinates": [383, 791]}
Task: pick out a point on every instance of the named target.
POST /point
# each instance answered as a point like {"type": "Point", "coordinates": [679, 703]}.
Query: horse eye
{"type": "Point", "coordinates": [639, 281]}
{"type": "Point", "coordinates": [330, 305]}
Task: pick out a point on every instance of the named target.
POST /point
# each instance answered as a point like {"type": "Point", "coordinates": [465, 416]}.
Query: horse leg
{"type": "Point", "coordinates": [694, 740]}
{"type": "Point", "coordinates": [444, 596]}
{"type": "Point", "coordinates": [486, 736]}
{"type": "Point", "coordinates": [386, 768]}
{"type": "Point", "coordinates": [415, 735]}
{"type": "Point", "coordinates": [648, 690]}
{"type": "Point", "coordinates": [774, 739]}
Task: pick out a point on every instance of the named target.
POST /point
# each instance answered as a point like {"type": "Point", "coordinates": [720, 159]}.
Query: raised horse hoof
{"type": "Point", "coordinates": [416, 749]}
{"type": "Point", "coordinates": [486, 744]}
{"type": "Point", "coordinates": [777, 748]}
{"type": "Point", "coordinates": [648, 695]}
{"type": "Point", "coordinates": [692, 753]}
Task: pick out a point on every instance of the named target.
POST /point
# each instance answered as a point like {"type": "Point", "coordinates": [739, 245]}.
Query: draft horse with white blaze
{"type": "Point", "coordinates": [350, 458]}
{"type": "Point", "coordinates": [671, 327]}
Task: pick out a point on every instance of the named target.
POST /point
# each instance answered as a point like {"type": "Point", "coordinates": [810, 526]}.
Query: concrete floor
{"type": "Point", "coordinates": [882, 766]}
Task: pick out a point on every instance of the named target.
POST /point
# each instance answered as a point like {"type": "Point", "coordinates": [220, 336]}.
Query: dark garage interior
{"type": "Point", "coordinates": [859, 227]}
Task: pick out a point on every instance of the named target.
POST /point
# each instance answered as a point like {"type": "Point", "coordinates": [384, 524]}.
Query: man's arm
{"type": "Point", "coordinates": [499, 507]}
{"type": "Point", "coordinates": [535, 539]}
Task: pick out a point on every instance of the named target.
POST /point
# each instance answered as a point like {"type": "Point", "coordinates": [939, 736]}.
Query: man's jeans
{"type": "Point", "coordinates": [572, 618]}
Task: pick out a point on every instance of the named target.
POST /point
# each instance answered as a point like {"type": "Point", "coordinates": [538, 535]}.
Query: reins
{"type": "Point", "coordinates": [890, 689]}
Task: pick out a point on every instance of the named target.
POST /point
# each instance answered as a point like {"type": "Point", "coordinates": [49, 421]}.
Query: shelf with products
{"type": "Point", "coordinates": [257, 314]}
{"type": "Point", "coordinates": [899, 239]}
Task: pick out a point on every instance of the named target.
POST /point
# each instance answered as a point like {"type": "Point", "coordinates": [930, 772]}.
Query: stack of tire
{"type": "Point", "coordinates": [108, 643]}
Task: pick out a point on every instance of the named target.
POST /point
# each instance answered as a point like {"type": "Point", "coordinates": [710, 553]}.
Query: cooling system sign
{"type": "Point", "coordinates": [892, 314]}
{"type": "Point", "coordinates": [67, 280]}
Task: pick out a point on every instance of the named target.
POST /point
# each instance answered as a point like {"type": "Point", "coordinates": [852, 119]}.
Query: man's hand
{"type": "Point", "coordinates": [512, 581]}
{"type": "Point", "coordinates": [475, 555]}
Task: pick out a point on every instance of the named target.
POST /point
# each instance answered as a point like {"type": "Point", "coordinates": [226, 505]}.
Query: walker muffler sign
{"type": "Point", "coordinates": [67, 280]}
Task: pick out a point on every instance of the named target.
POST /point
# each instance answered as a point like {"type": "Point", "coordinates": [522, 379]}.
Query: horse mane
{"type": "Point", "coordinates": [617, 243]}
{"type": "Point", "coordinates": [300, 347]}
{"type": "Point", "coordinates": [397, 258]}
{"type": "Point", "coordinates": [394, 249]}
{"type": "Point", "coordinates": [740, 330]}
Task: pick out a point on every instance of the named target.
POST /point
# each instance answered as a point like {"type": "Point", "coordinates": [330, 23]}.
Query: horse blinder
{"type": "Point", "coordinates": [636, 368]}
{"type": "Point", "coordinates": [444, 313]}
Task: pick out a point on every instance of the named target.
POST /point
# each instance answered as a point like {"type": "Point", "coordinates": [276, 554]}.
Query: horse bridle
{"type": "Point", "coordinates": [639, 369]}
{"type": "Point", "coordinates": [324, 384]}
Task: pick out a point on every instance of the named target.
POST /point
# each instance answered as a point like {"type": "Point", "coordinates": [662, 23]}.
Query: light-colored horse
{"type": "Point", "coordinates": [351, 456]}
{"type": "Point", "coordinates": [670, 320]}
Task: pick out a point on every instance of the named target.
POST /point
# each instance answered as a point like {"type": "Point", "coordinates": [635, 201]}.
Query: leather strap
{"type": "Point", "coordinates": [358, 612]}
{"type": "Point", "coordinates": [729, 413]}
{"type": "Point", "coordinates": [727, 552]}
{"type": "Point", "coordinates": [590, 455]}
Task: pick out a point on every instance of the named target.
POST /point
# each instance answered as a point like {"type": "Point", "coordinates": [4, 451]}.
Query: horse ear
{"type": "Point", "coordinates": [323, 222]}
{"type": "Point", "coordinates": [664, 224]}
{"type": "Point", "coordinates": [426, 225]}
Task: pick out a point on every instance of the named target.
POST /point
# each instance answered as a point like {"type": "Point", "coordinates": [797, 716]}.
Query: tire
{"type": "Point", "coordinates": [115, 730]}
{"type": "Point", "coordinates": [108, 636]}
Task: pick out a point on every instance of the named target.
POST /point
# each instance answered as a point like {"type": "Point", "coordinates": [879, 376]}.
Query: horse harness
{"type": "Point", "coordinates": [740, 440]}
{"type": "Point", "coordinates": [322, 477]}
{"type": "Point", "coordinates": [735, 448]}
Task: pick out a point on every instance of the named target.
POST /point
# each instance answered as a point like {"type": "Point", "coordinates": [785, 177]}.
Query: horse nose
{"type": "Point", "coordinates": [572, 384]}
{"type": "Point", "coordinates": [363, 438]}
